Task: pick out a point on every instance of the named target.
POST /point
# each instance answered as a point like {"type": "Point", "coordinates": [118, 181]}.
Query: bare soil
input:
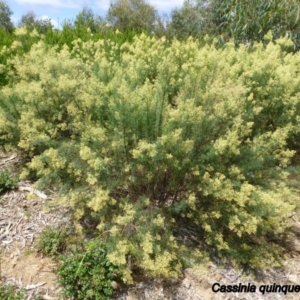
{"type": "Point", "coordinates": [22, 220]}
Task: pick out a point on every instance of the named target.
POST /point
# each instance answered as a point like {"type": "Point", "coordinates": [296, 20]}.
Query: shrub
{"type": "Point", "coordinates": [153, 141]}
{"type": "Point", "coordinates": [7, 181]}
{"type": "Point", "coordinates": [52, 241]}
{"type": "Point", "coordinates": [8, 292]}
{"type": "Point", "coordinates": [86, 273]}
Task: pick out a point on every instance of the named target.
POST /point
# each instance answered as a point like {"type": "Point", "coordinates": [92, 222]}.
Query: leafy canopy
{"type": "Point", "coordinates": [241, 20]}
{"type": "Point", "coordinates": [31, 22]}
{"type": "Point", "coordinates": [5, 20]}
{"type": "Point", "coordinates": [87, 18]}
{"type": "Point", "coordinates": [132, 14]}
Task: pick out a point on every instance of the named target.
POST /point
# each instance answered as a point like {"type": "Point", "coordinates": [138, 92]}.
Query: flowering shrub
{"type": "Point", "coordinates": [155, 142]}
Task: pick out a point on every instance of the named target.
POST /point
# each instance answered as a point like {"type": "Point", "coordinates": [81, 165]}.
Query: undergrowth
{"type": "Point", "coordinates": [86, 273]}
{"type": "Point", "coordinates": [7, 181]}
{"type": "Point", "coordinates": [52, 241]}
{"type": "Point", "coordinates": [9, 292]}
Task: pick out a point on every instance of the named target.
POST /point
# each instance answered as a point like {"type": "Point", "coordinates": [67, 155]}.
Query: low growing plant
{"type": "Point", "coordinates": [7, 181]}
{"type": "Point", "coordinates": [8, 292]}
{"type": "Point", "coordinates": [52, 241]}
{"type": "Point", "coordinates": [86, 273]}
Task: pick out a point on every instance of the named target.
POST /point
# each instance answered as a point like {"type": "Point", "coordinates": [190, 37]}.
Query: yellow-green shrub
{"type": "Point", "coordinates": [155, 141]}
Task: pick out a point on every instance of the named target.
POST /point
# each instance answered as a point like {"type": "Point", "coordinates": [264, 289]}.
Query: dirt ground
{"type": "Point", "coordinates": [21, 221]}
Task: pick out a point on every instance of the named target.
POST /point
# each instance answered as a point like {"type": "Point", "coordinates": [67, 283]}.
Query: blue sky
{"type": "Point", "coordinates": [60, 10]}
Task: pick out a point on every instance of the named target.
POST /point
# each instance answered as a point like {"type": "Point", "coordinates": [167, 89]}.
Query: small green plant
{"type": "Point", "coordinates": [87, 274]}
{"type": "Point", "coordinates": [28, 252]}
{"type": "Point", "coordinates": [7, 181]}
{"type": "Point", "coordinates": [52, 241]}
{"type": "Point", "coordinates": [8, 292]}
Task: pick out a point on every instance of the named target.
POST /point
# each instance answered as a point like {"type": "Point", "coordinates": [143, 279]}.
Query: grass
{"type": "Point", "coordinates": [7, 181]}
{"type": "Point", "coordinates": [52, 241]}
{"type": "Point", "coordinates": [9, 292]}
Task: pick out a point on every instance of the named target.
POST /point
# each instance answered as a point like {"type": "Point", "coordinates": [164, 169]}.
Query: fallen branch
{"type": "Point", "coordinates": [34, 286]}
{"type": "Point", "coordinates": [8, 159]}
{"type": "Point", "coordinates": [31, 190]}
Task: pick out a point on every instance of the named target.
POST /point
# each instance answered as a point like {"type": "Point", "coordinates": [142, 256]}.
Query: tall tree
{"type": "Point", "coordinates": [133, 14]}
{"type": "Point", "coordinates": [192, 19]}
{"type": "Point", "coordinates": [242, 20]}
{"type": "Point", "coordinates": [250, 20]}
{"type": "Point", "coordinates": [87, 18]}
{"type": "Point", "coordinates": [5, 14]}
{"type": "Point", "coordinates": [30, 21]}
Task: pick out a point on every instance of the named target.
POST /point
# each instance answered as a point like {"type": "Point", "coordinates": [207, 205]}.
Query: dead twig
{"type": "Point", "coordinates": [8, 159]}
{"type": "Point", "coordinates": [34, 286]}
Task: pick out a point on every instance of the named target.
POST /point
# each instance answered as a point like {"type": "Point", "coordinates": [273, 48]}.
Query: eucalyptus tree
{"type": "Point", "coordinates": [192, 19]}
{"type": "Point", "coordinates": [30, 21]}
{"type": "Point", "coordinates": [5, 20]}
{"type": "Point", "coordinates": [245, 21]}
{"type": "Point", "coordinates": [87, 18]}
{"type": "Point", "coordinates": [135, 15]}
{"type": "Point", "coordinates": [251, 20]}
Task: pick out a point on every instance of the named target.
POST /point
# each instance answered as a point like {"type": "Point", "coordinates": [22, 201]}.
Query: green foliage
{"type": "Point", "coordinates": [12, 45]}
{"type": "Point", "coordinates": [8, 292]}
{"type": "Point", "coordinates": [5, 14]}
{"type": "Point", "coordinates": [86, 18]}
{"type": "Point", "coordinates": [154, 141]}
{"type": "Point", "coordinates": [86, 273]}
{"type": "Point", "coordinates": [132, 15]}
{"type": "Point", "coordinates": [23, 38]}
{"type": "Point", "coordinates": [31, 22]}
{"type": "Point", "coordinates": [192, 19]}
{"type": "Point", "coordinates": [240, 20]}
{"type": "Point", "coordinates": [249, 21]}
{"type": "Point", "coordinates": [6, 40]}
{"type": "Point", "coordinates": [7, 181]}
{"type": "Point", "coordinates": [52, 241]}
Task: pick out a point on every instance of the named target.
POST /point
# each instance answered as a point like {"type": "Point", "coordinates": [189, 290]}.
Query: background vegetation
{"type": "Point", "coordinates": [169, 139]}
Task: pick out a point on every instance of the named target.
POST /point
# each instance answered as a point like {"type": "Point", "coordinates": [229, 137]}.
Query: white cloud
{"type": "Point", "coordinates": [103, 5]}
{"type": "Point", "coordinates": [54, 3]}
{"type": "Point", "coordinates": [53, 22]}
{"type": "Point", "coordinates": [165, 5]}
